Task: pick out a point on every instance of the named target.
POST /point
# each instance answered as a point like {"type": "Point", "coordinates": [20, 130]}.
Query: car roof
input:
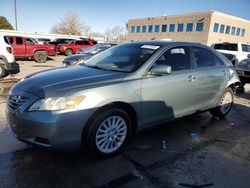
{"type": "Point", "coordinates": [166, 43]}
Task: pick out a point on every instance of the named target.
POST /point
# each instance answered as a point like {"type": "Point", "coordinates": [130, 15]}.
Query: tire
{"type": "Point", "coordinates": [3, 72]}
{"type": "Point", "coordinates": [40, 56]}
{"type": "Point", "coordinates": [224, 105]}
{"type": "Point", "coordinates": [103, 140]}
{"type": "Point", "coordinates": [68, 52]}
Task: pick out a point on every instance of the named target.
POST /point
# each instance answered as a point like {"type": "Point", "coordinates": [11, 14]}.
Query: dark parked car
{"type": "Point", "coordinates": [243, 70]}
{"type": "Point", "coordinates": [60, 41]}
{"type": "Point", "coordinates": [85, 54]}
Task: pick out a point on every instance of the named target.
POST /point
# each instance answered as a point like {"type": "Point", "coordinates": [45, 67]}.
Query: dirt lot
{"type": "Point", "coordinates": [194, 151]}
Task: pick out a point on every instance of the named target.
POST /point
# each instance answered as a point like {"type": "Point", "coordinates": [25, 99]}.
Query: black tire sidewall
{"type": "Point", "coordinates": [3, 71]}
{"type": "Point", "coordinates": [90, 143]}
{"type": "Point", "coordinates": [68, 52]}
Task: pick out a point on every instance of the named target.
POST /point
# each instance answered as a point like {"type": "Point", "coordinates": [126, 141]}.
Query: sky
{"type": "Point", "coordinates": [41, 15]}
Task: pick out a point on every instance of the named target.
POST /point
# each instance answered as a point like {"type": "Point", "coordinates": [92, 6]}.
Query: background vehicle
{"type": "Point", "coordinates": [73, 46]}
{"type": "Point", "coordinates": [8, 64]}
{"type": "Point", "coordinates": [85, 54]}
{"type": "Point", "coordinates": [120, 91]}
{"type": "Point", "coordinates": [58, 41]}
{"type": "Point", "coordinates": [238, 51]}
{"type": "Point", "coordinates": [27, 48]}
{"type": "Point", "coordinates": [243, 70]}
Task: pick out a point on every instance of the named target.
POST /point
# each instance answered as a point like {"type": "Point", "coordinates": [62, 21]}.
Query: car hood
{"type": "Point", "coordinates": [60, 81]}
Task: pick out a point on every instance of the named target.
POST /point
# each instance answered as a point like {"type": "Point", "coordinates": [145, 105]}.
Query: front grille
{"type": "Point", "coordinates": [15, 101]}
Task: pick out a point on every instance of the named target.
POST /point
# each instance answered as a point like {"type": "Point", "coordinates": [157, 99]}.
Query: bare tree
{"type": "Point", "coordinates": [116, 34]}
{"type": "Point", "coordinates": [71, 25]}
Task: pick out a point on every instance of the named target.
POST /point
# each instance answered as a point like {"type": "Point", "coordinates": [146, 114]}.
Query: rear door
{"type": "Point", "coordinates": [211, 76]}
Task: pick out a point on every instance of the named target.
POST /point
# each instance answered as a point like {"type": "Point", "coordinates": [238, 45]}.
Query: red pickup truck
{"type": "Point", "coordinates": [75, 45]}
{"type": "Point", "coordinates": [28, 48]}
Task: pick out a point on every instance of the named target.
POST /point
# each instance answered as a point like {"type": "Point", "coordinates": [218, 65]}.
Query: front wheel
{"type": "Point", "coordinates": [224, 105]}
{"type": "Point", "coordinates": [40, 57]}
{"type": "Point", "coordinates": [68, 52]}
{"type": "Point", "coordinates": [108, 133]}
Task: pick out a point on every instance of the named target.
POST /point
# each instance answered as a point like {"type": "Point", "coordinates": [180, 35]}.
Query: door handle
{"type": "Point", "coordinates": [191, 78]}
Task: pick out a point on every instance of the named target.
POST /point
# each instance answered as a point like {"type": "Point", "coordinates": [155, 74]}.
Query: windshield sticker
{"type": "Point", "coordinates": [152, 47]}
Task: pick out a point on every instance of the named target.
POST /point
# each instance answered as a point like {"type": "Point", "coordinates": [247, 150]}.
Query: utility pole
{"type": "Point", "coordinates": [15, 14]}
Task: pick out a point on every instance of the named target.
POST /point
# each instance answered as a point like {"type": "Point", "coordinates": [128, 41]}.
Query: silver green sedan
{"type": "Point", "coordinates": [98, 105]}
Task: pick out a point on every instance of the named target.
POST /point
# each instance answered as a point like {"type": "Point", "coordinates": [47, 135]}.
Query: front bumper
{"type": "Point", "coordinates": [55, 130]}
{"type": "Point", "coordinates": [244, 74]}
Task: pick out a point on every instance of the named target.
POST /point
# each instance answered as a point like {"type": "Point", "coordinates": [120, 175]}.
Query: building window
{"type": "Point", "coordinates": [222, 28]}
{"type": "Point", "coordinates": [243, 32]}
{"type": "Point", "coordinates": [171, 27]}
{"type": "Point", "coordinates": [228, 29]}
{"type": "Point", "coordinates": [189, 27]}
{"type": "Point", "coordinates": [144, 28]}
{"type": "Point", "coordinates": [238, 32]}
{"type": "Point", "coordinates": [199, 26]}
{"type": "Point", "coordinates": [216, 27]}
{"type": "Point", "coordinates": [180, 28]}
{"type": "Point", "coordinates": [150, 28]}
{"type": "Point", "coordinates": [157, 28]}
{"type": "Point", "coordinates": [233, 31]}
{"type": "Point", "coordinates": [132, 29]}
{"type": "Point", "coordinates": [138, 29]}
{"type": "Point", "coordinates": [164, 28]}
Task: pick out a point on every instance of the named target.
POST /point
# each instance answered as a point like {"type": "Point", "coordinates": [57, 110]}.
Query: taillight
{"type": "Point", "coordinates": [9, 49]}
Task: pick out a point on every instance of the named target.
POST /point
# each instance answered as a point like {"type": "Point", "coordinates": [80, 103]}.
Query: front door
{"type": "Point", "coordinates": [169, 96]}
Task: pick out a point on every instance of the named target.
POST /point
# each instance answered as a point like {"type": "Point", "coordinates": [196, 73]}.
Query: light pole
{"type": "Point", "coordinates": [15, 14]}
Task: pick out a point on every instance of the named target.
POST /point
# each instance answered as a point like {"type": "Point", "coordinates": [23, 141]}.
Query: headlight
{"type": "Point", "coordinates": [243, 63]}
{"type": "Point", "coordinates": [56, 103]}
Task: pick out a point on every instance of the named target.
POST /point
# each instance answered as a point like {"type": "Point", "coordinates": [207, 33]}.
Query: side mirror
{"type": "Point", "coordinates": [248, 56]}
{"type": "Point", "coordinates": [161, 70]}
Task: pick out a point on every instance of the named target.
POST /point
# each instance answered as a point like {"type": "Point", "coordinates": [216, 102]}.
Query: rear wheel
{"type": "Point", "coordinates": [224, 105]}
{"type": "Point", "coordinates": [108, 132]}
{"type": "Point", "coordinates": [40, 57]}
{"type": "Point", "coordinates": [68, 52]}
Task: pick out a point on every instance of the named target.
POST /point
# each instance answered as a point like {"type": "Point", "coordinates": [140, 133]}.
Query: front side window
{"type": "Point", "coordinates": [86, 42]}
{"type": "Point", "coordinates": [138, 29]}
{"type": "Point", "coordinates": [216, 27]}
{"type": "Point", "coordinates": [144, 28]}
{"type": "Point", "coordinates": [203, 57]}
{"type": "Point", "coordinates": [19, 41]}
{"type": "Point", "coordinates": [177, 58]}
{"type": "Point", "coordinates": [80, 42]}
{"type": "Point", "coordinates": [189, 27]}
{"type": "Point", "coordinates": [132, 30]}
{"type": "Point", "coordinates": [150, 28]}
{"type": "Point", "coordinates": [171, 27]}
{"type": "Point", "coordinates": [157, 28]}
{"type": "Point", "coordinates": [199, 26]}
{"type": "Point", "coordinates": [245, 48]}
{"type": "Point", "coordinates": [180, 28]}
{"type": "Point", "coordinates": [228, 29]}
{"type": "Point", "coordinates": [123, 58]}
{"type": "Point", "coordinates": [222, 28]}
{"type": "Point", "coordinates": [164, 28]}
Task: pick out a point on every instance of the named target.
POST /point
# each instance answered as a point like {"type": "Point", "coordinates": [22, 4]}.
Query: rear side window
{"type": "Point", "coordinates": [203, 57]}
{"type": "Point", "coordinates": [6, 40]}
{"type": "Point", "coordinates": [79, 42]}
{"type": "Point", "coordinates": [10, 40]}
{"type": "Point", "coordinates": [19, 41]}
{"type": "Point", "coordinates": [226, 46]}
{"type": "Point", "coordinates": [177, 58]}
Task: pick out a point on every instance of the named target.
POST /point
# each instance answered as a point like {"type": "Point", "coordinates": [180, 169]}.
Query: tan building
{"type": "Point", "coordinates": [203, 27]}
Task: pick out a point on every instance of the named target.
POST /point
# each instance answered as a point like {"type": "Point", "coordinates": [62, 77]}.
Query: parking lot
{"type": "Point", "coordinates": [194, 151]}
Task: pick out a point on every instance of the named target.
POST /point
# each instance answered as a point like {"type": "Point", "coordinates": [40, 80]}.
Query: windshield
{"type": "Point", "coordinates": [122, 58]}
{"type": "Point", "coordinates": [94, 50]}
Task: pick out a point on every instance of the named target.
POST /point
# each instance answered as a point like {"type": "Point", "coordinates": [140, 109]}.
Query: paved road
{"type": "Point", "coordinates": [193, 151]}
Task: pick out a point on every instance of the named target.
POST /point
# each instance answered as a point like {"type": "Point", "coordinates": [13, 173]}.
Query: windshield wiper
{"type": "Point", "coordinates": [94, 67]}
